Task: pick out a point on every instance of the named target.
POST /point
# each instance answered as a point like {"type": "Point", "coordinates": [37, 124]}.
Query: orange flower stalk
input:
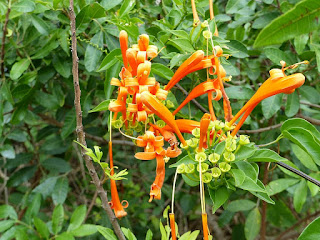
{"type": "Point", "coordinates": [115, 203]}
{"type": "Point", "coordinates": [204, 124]}
{"type": "Point", "coordinates": [196, 19]}
{"type": "Point", "coordinates": [277, 83]}
{"type": "Point", "coordinates": [199, 90]}
{"type": "Point", "coordinates": [162, 112]}
{"type": "Point", "coordinates": [205, 226]}
{"type": "Point", "coordinates": [172, 226]}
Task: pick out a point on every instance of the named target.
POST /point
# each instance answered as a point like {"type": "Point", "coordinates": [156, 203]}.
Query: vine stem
{"type": "Point", "coordinates": [79, 129]}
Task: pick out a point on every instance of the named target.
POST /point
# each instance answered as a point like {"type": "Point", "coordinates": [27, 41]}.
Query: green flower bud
{"type": "Point", "coordinates": [169, 104]}
{"type": "Point", "coordinates": [181, 168]}
{"type": "Point", "coordinates": [193, 142]}
{"type": "Point", "coordinates": [227, 127]}
{"type": "Point", "coordinates": [231, 144]}
{"type": "Point", "coordinates": [196, 132]}
{"type": "Point", "coordinates": [244, 140]}
{"type": "Point", "coordinates": [229, 156]}
{"type": "Point", "coordinates": [218, 125]}
{"type": "Point", "coordinates": [117, 123]}
{"type": "Point", "coordinates": [216, 172]}
{"type": "Point", "coordinates": [161, 123]}
{"type": "Point", "coordinates": [185, 147]}
{"type": "Point", "coordinates": [189, 168]}
{"type": "Point", "coordinates": [201, 157]}
{"type": "Point", "coordinates": [207, 34]}
{"type": "Point", "coordinates": [205, 24]}
{"type": "Point", "coordinates": [214, 157]}
{"type": "Point", "coordinates": [225, 167]}
{"type": "Point", "coordinates": [204, 167]}
{"type": "Point", "coordinates": [206, 177]}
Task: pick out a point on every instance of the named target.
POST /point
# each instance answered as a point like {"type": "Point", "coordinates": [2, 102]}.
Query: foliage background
{"type": "Point", "coordinates": [41, 167]}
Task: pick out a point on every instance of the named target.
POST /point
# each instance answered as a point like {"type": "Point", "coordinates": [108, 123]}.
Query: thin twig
{"type": "Point", "coordinates": [310, 104]}
{"type": "Point", "coordinates": [4, 33]}
{"type": "Point", "coordinates": [185, 92]}
{"type": "Point", "coordinates": [79, 129]}
{"type": "Point", "coordinates": [261, 129]}
{"type": "Point", "coordinates": [311, 120]}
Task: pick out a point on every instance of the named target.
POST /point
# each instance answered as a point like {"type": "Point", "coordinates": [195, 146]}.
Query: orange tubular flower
{"type": "Point", "coordinates": [184, 125]}
{"type": "Point", "coordinates": [115, 203]}
{"type": "Point", "coordinates": [204, 124]}
{"type": "Point", "coordinates": [277, 83]}
{"type": "Point", "coordinates": [123, 38]}
{"type": "Point", "coordinates": [155, 192]}
{"type": "Point", "coordinates": [199, 90]}
{"type": "Point", "coordinates": [172, 226]}
{"type": "Point", "coordinates": [196, 19]}
{"type": "Point", "coordinates": [162, 112]}
{"type": "Point", "coordinates": [205, 226]}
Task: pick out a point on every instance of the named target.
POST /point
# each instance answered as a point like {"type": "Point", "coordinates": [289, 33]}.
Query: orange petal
{"type": "Point", "coordinates": [143, 72]}
{"type": "Point", "coordinates": [115, 82]}
{"type": "Point", "coordinates": [132, 59]}
{"type": "Point", "coordinates": [162, 112]}
{"type": "Point", "coordinates": [172, 226]}
{"type": "Point", "coordinates": [199, 90]}
{"type": "Point", "coordinates": [145, 155]}
{"type": "Point", "coordinates": [205, 226]}
{"type": "Point", "coordinates": [116, 205]}
{"type": "Point", "coordinates": [143, 42]}
{"type": "Point", "coordinates": [184, 125]}
{"type": "Point", "coordinates": [204, 124]}
{"type": "Point", "coordinates": [172, 153]}
{"type": "Point", "coordinates": [123, 38]}
{"type": "Point", "coordinates": [155, 192]}
{"type": "Point", "coordinates": [117, 106]}
{"type": "Point", "coordinates": [152, 51]}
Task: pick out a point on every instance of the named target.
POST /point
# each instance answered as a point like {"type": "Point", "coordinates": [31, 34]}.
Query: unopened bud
{"type": "Point", "coordinates": [206, 177]}
{"type": "Point", "coordinates": [169, 104]}
{"type": "Point", "coordinates": [216, 172]}
{"type": "Point", "coordinates": [196, 132]}
{"type": "Point", "coordinates": [201, 157]}
{"type": "Point", "coordinates": [204, 167]}
{"type": "Point", "coordinates": [244, 140]}
{"type": "Point", "coordinates": [229, 156]}
{"type": "Point", "coordinates": [189, 168]}
{"type": "Point", "coordinates": [214, 157]}
{"type": "Point", "coordinates": [224, 167]}
{"type": "Point", "coordinates": [181, 168]}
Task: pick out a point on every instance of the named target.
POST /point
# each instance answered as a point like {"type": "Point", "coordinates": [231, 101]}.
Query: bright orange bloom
{"type": "Point", "coordinates": [199, 90]}
{"type": "Point", "coordinates": [205, 226]}
{"type": "Point", "coordinates": [172, 226]}
{"type": "Point", "coordinates": [123, 38]}
{"type": "Point", "coordinates": [184, 125]}
{"type": "Point", "coordinates": [153, 148]}
{"type": "Point", "coordinates": [162, 112]}
{"type": "Point", "coordinates": [115, 203]}
{"type": "Point", "coordinates": [204, 124]}
{"type": "Point", "coordinates": [275, 84]}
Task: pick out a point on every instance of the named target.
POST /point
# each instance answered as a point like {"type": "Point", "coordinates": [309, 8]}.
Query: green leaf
{"type": "Point", "coordinates": [65, 236]}
{"type": "Point", "coordinates": [84, 230]}
{"type": "Point", "coordinates": [184, 45]}
{"type": "Point", "coordinates": [149, 235]}
{"type": "Point", "coordinates": [186, 160]}
{"type": "Point", "coordinates": [238, 176]}
{"type": "Point", "coordinates": [23, 175]}
{"type": "Point", "coordinates": [46, 187]}
{"type": "Point", "coordinates": [77, 217]}
{"type": "Point", "coordinates": [305, 140]}
{"type": "Point", "coordinates": [6, 93]}
{"type": "Point", "coordinates": [300, 42]}
{"type": "Point", "coordinates": [40, 25]}
{"type": "Point", "coordinates": [248, 169]}
{"type": "Point", "coordinates": [110, 60]}
{"type": "Point", "coordinates": [271, 105]}
{"type": "Point", "coordinates": [240, 205]}
{"type": "Point", "coordinates": [238, 49]}
{"type": "Point", "coordinates": [7, 151]}
{"type": "Point", "coordinates": [280, 185]}
{"type": "Point", "coordinates": [276, 55]}
{"type": "Point", "coordinates": [89, 12]}
{"type": "Point", "coordinates": [109, 4]}
{"type": "Point", "coordinates": [304, 158]}
{"type": "Point", "coordinates": [310, 94]}
{"type": "Point", "coordinates": [314, 189]}
{"type": "Point", "coordinates": [24, 6]}
{"type": "Point", "coordinates": [253, 224]}
{"type": "Point", "coordinates": [311, 232]}
{"type": "Point", "coordinates": [316, 48]}
{"type": "Point", "coordinates": [57, 219]}
{"type": "Point", "coordinates": [18, 68]}
{"type": "Point", "coordinates": [107, 233]}
{"type": "Point", "coordinates": [103, 106]}
{"type": "Point", "coordinates": [129, 235]}
{"type": "Point", "coordinates": [161, 70]}
{"type": "Point", "coordinates": [33, 208]}
{"type": "Point", "coordinates": [41, 227]}
{"type": "Point", "coordinates": [6, 224]}
{"type": "Point", "coordinates": [299, 20]}
{"type": "Point", "coordinates": [293, 104]}
{"type": "Point", "coordinates": [62, 67]}
{"type": "Point", "coordinates": [234, 5]}
{"type": "Point", "coordinates": [245, 152]}
{"type": "Point", "coordinates": [7, 211]}
{"type": "Point", "coordinates": [46, 49]}
{"type": "Point", "coordinates": [294, 122]}
{"type": "Point", "coordinates": [239, 92]}
{"type": "Point", "coordinates": [300, 195]}
{"type": "Point", "coordinates": [218, 197]}
{"type": "Point", "coordinates": [266, 155]}
{"type": "Point", "coordinates": [126, 6]}
{"type": "Point", "coordinates": [92, 54]}
{"type": "Point", "coordinates": [60, 191]}
{"type": "Point", "coordinates": [250, 185]}
{"type": "Point", "coordinates": [56, 165]}
{"type": "Point", "coordinates": [69, 124]}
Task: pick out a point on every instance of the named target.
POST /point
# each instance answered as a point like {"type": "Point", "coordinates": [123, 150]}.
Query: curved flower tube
{"type": "Point", "coordinates": [155, 192]}
{"type": "Point", "coordinates": [115, 203]}
{"type": "Point", "coordinates": [143, 42]}
{"type": "Point", "coordinates": [204, 124]}
{"type": "Point", "coordinates": [184, 125]}
{"type": "Point", "coordinates": [277, 83]}
{"type": "Point", "coordinates": [123, 39]}
{"type": "Point", "coordinates": [162, 112]}
{"type": "Point", "coordinates": [199, 90]}
{"type": "Point", "coordinates": [172, 226]}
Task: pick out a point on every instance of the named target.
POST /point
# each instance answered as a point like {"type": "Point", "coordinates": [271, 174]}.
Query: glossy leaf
{"type": "Point", "coordinates": [253, 224]}
{"type": "Point", "coordinates": [41, 227]}
{"type": "Point", "coordinates": [60, 191]}
{"type": "Point", "coordinates": [311, 232]}
{"type": "Point", "coordinates": [107, 233]}
{"type": "Point", "coordinates": [103, 106]}
{"type": "Point", "coordinates": [240, 205]}
{"type": "Point", "coordinates": [218, 197]}
{"type": "Point", "coordinates": [57, 219]}
{"type": "Point", "coordinates": [280, 185]}
{"type": "Point", "coordinates": [300, 195]}
{"type": "Point", "coordinates": [18, 68]}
